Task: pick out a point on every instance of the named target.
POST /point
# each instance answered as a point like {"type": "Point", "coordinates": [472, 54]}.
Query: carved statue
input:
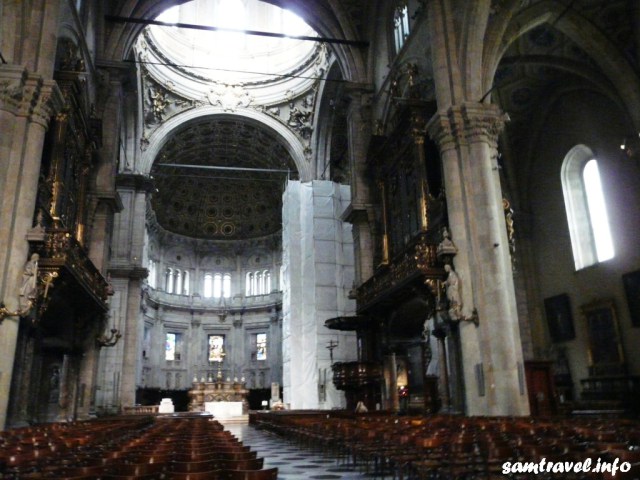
{"type": "Point", "coordinates": [298, 118]}
{"type": "Point", "coordinates": [300, 121]}
{"type": "Point", "coordinates": [452, 286]}
{"type": "Point", "coordinates": [158, 103]}
{"type": "Point", "coordinates": [29, 287]}
{"type": "Point", "coordinates": [361, 407]}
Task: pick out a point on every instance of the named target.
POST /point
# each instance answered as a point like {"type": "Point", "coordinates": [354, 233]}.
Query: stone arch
{"type": "Point", "coordinates": [328, 93]}
{"type": "Point", "coordinates": [583, 33]}
{"type": "Point", "coordinates": [473, 31]}
{"type": "Point", "coordinates": [289, 140]}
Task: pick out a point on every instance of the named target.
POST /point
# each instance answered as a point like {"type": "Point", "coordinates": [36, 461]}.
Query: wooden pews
{"type": "Point", "coordinates": [132, 447]}
{"type": "Point", "coordinates": [456, 447]}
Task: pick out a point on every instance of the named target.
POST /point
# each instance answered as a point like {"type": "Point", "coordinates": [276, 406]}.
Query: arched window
{"type": "Point", "coordinates": [168, 284]}
{"type": "Point", "coordinates": [400, 25]}
{"type": "Point", "coordinates": [226, 285]}
{"type": "Point", "coordinates": [185, 282]}
{"type": "Point", "coordinates": [258, 283]}
{"type": "Point", "coordinates": [585, 203]}
{"type": "Point", "coordinates": [217, 285]}
{"type": "Point", "coordinates": [267, 282]}
{"type": "Point", "coordinates": [208, 286]}
{"type": "Point", "coordinates": [249, 281]}
{"type": "Point", "coordinates": [178, 282]}
{"type": "Point", "coordinates": [151, 279]}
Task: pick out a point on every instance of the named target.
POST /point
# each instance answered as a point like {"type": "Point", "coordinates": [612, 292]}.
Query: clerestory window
{"type": "Point", "coordinates": [217, 285]}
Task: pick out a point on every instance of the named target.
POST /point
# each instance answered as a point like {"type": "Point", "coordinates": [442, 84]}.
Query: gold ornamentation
{"type": "Point", "coordinates": [38, 297]}
{"type": "Point", "coordinates": [5, 312]}
{"type": "Point", "coordinates": [419, 259]}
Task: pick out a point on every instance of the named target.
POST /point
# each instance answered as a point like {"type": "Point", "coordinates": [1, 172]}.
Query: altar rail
{"type": "Point", "coordinates": [140, 410]}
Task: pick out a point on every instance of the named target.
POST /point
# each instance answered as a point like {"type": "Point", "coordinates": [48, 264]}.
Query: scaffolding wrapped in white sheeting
{"type": "Point", "coordinates": [317, 274]}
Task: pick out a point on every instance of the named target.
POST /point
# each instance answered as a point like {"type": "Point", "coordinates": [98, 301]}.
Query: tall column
{"type": "Point", "coordinates": [273, 342]}
{"type": "Point", "coordinates": [127, 274]}
{"type": "Point", "coordinates": [27, 103]}
{"type": "Point", "coordinates": [467, 136]}
{"type": "Point", "coordinates": [361, 212]}
{"type": "Point", "coordinates": [132, 337]}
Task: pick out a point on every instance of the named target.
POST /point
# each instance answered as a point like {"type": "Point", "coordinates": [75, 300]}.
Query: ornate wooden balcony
{"type": "Point", "coordinates": [418, 262]}
{"type": "Point", "coordinates": [352, 375]}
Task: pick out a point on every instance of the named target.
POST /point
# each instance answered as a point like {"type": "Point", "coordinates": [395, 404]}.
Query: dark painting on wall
{"type": "Point", "coordinates": [631, 283]}
{"type": "Point", "coordinates": [605, 350]}
{"type": "Point", "coordinates": [559, 319]}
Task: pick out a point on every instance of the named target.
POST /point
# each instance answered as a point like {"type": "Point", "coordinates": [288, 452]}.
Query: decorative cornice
{"type": "Point", "coordinates": [136, 181]}
{"type": "Point", "coordinates": [132, 272]}
{"type": "Point", "coordinates": [357, 213]}
{"type": "Point", "coordinates": [110, 198]}
{"type": "Point", "coordinates": [29, 95]}
{"type": "Point", "coordinates": [465, 124]}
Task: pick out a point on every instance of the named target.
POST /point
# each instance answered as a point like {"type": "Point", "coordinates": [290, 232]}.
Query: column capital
{"type": "Point", "coordinates": [26, 94]}
{"type": "Point", "coordinates": [466, 124]}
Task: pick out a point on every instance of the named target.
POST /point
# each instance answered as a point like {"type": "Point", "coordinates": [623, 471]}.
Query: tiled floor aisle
{"type": "Point", "coordinates": [293, 463]}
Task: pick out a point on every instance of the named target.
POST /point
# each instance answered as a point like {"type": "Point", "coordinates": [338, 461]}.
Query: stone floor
{"type": "Point", "coordinates": [295, 463]}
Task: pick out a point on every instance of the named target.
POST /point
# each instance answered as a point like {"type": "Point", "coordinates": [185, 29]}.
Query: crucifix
{"type": "Point", "coordinates": [330, 346]}
{"type": "Point", "coordinates": [222, 355]}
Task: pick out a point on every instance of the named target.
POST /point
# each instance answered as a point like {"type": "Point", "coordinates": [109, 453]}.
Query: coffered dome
{"type": "Point", "coordinates": [221, 179]}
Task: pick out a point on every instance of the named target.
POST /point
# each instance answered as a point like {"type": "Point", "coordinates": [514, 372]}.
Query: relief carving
{"type": "Point", "coordinates": [229, 97]}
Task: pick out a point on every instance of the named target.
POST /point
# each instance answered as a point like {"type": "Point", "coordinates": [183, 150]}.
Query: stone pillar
{"type": "Point", "coordinates": [27, 102]}
{"type": "Point", "coordinates": [467, 136]}
{"type": "Point", "coordinates": [360, 213]}
{"type": "Point", "coordinates": [394, 400]}
{"type": "Point", "coordinates": [124, 371]}
{"type": "Point", "coordinates": [443, 378]}
{"type": "Point", "coordinates": [87, 377]}
{"type": "Point", "coordinates": [274, 340]}
{"type": "Point", "coordinates": [238, 358]}
{"type": "Point", "coordinates": [132, 337]}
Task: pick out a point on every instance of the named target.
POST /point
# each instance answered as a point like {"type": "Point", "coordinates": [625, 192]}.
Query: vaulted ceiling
{"type": "Point", "coordinates": [240, 198]}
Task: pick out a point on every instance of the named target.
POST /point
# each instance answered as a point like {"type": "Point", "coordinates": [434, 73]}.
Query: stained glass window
{"type": "Point", "coordinates": [216, 348]}
{"type": "Point", "coordinates": [261, 346]}
{"type": "Point", "coordinates": [170, 347]}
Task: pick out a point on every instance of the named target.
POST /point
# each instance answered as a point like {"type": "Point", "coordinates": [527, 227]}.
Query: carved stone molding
{"type": "Point", "coordinates": [29, 95]}
{"type": "Point", "coordinates": [229, 97]}
{"type": "Point", "coordinates": [465, 124]}
{"type": "Point", "coordinates": [483, 123]}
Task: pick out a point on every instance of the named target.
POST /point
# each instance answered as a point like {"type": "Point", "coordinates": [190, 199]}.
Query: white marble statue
{"type": "Point", "coordinates": [452, 287]}
{"type": "Point", "coordinates": [29, 287]}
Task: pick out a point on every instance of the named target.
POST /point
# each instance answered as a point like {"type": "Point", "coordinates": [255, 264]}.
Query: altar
{"type": "Point", "coordinates": [223, 399]}
{"type": "Point", "coordinates": [224, 410]}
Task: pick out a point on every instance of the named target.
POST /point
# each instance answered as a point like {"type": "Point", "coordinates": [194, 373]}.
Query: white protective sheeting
{"type": "Point", "coordinates": [317, 274]}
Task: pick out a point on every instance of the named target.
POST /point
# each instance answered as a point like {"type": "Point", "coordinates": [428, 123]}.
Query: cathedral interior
{"type": "Point", "coordinates": [415, 206]}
